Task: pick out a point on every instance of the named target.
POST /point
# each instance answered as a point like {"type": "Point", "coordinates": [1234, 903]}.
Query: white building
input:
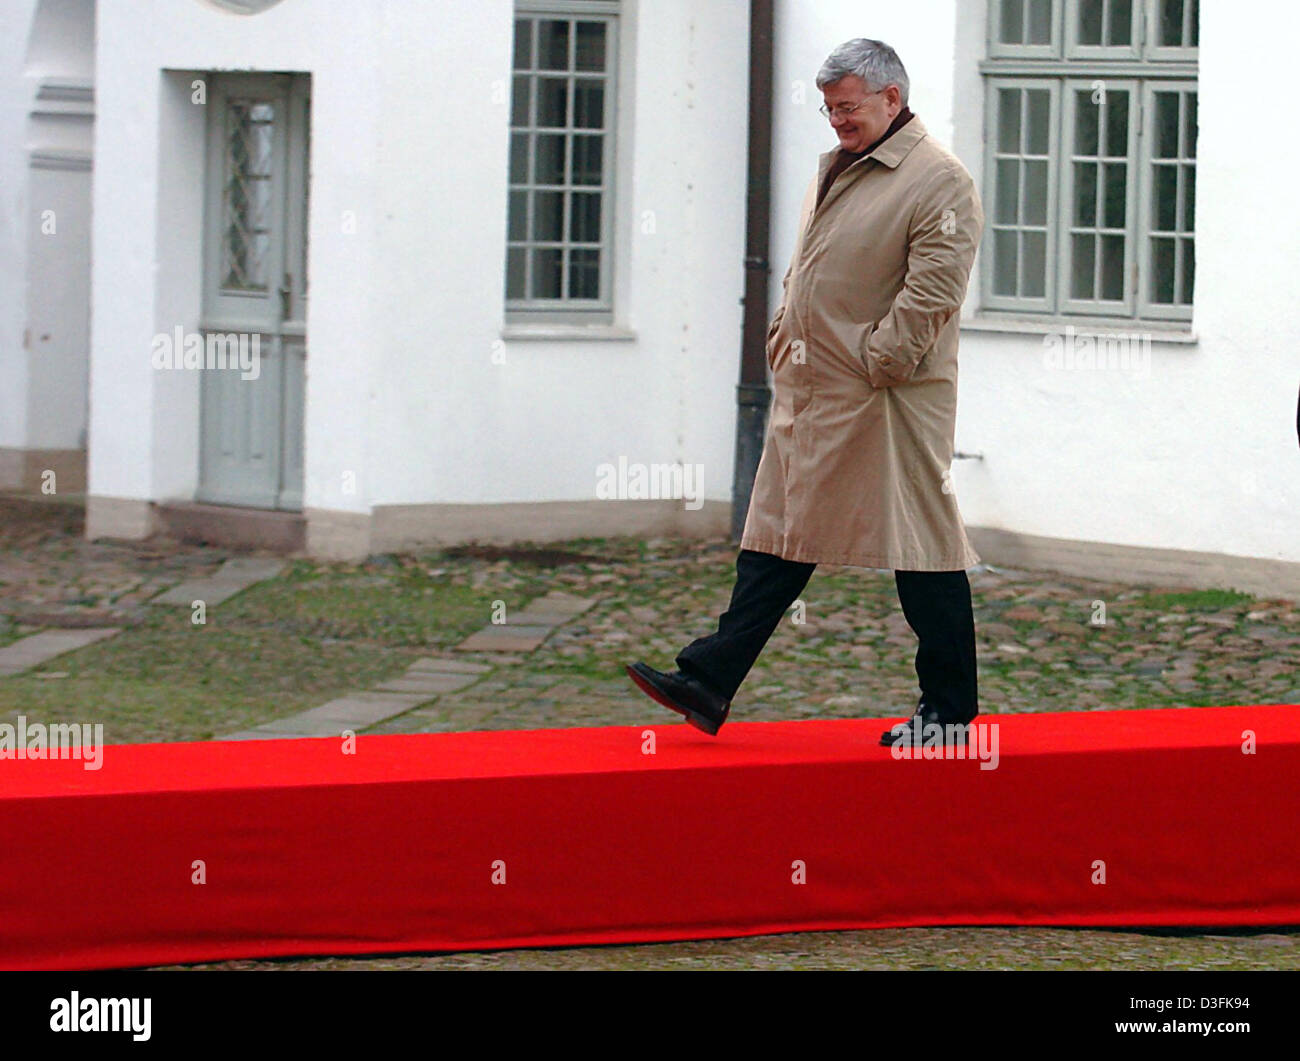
{"type": "Point", "coordinates": [491, 249]}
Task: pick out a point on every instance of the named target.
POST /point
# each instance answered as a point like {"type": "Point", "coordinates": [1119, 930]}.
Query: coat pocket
{"type": "Point", "coordinates": [772, 331]}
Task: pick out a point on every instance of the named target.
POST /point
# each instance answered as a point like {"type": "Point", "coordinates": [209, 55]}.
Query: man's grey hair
{"type": "Point", "coordinates": [873, 61]}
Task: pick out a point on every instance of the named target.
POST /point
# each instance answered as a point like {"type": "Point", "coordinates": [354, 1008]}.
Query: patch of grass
{"type": "Point", "coordinates": [280, 647]}
{"type": "Point", "coordinates": [403, 606]}
{"type": "Point", "coordinates": [1201, 600]}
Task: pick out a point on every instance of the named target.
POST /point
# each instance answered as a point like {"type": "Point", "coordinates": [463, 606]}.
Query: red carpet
{"type": "Point", "coordinates": [310, 851]}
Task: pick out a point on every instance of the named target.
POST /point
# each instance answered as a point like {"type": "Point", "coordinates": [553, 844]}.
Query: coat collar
{"type": "Point", "coordinates": [890, 153]}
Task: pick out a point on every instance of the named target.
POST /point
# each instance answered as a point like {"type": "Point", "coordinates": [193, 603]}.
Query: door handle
{"type": "Point", "coordinates": [286, 290]}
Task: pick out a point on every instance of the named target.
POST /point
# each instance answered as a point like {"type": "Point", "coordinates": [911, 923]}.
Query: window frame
{"type": "Point", "coordinates": [1075, 50]}
{"type": "Point", "coordinates": [565, 310]}
{"type": "Point", "coordinates": [1161, 310]}
{"type": "Point", "coordinates": [1097, 306]}
{"type": "Point", "coordinates": [1021, 303]}
{"type": "Point", "coordinates": [1063, 66]}
{"type": "Point", "coordinates": [998, 50]}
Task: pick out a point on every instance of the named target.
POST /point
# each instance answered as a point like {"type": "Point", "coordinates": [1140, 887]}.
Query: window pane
{"type": "Point", "coordinates": [1162, 270]}
{"type": "Point", "coordinates": [519, 101]}
{"type": "Point", "coordinates": [552, 102]}
{"type": "Point", "coordinates": [1013, 21]}
{"type": "Point", "coordinates": [1121, 22]}
{"type": "Point", "coordinates": [548, 216]}
{"type": "Point", "coordinates": [1194, 38]}
{"type": "Point", "coordinates": [584, 274]}
{"type": "Point", "coordinates": [549, 165]}
{"type": "Point", "coordinates": [1114, 206]}
{"type": "Point", "coordinates": [1005, 262]}
{"type": "Point", "coordinates": [519, 158]}
{"type": "Point", "coordinates": [1166, 131]}
{"type": "Point", "coordinates": [1009, 120]}
{"type": "Point", "coordinates": [584, 217]}
{"type": "Point", "coordinates": [517, 223]}
{"type": "Point", "coordinates": [1034, 277]}
{"type": "Point", "coordinates": [589, 46]}
{"type": "Point", "coordinates": [1090, 21]}
{"type": "Point", "coordinates": [1171, 23]}
{"type": "Point", "coordinates": [552, 45]}
{"type": "Point", "coordinates": [588, 103]}
{"type": "Point", "coordinates": [1039, 115]}
{"type": "Point", "coordinates": [547, 276]}
{"type": "Point", "coordinates": [588, 165]}
{"type": "Point", "coordinates": [1112, 268]}
{"type": "Point", "coordinates": [523, 44]}
{"type": "Point", "coordinates": [1040, 21]}
{"type": "Point", "coordinates": [1164, 198]}
{"type": "Point", "coordinates": [1189, 124]}
{"type": "Point", "coordinates": [1035, 202]}
{"type": "Point", "coordinates": [1117, 124]}
{"type": "Point", "coordinates": [1008, 192]}
{"type": "Point", "coordinates": [1189, 198]}
{"type": "Point", "coordinates": [1085, 123]}
{"type": "Point", "coordinates": [1085, 193]}
{"type": "Point", "coordinates": [1082, 266]}
{"type": "Point", "coordinates": [246, 196]}
{"type": "Point", "coordinates": [1189, 271]}
{"type": "Point", "coordinates": [515, 272]}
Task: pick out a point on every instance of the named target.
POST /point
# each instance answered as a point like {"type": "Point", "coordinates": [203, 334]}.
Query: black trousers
{"type": "Point", "coordinates": [936, 604]}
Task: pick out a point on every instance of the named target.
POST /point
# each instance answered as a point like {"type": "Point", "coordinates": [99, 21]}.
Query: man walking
{"type": "Point", "coordinates": [863, 353]}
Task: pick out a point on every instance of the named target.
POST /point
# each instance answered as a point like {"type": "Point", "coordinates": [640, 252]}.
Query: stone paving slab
{"type": "Point", "coordinates": [31, 651]}
{"type": "Point", "coordinates": [357, 711]}
{"type": "Point", "coordinates": [447, 666]}
{"type": "Point", "coordinates": [424, 680]}
{"type": "Point", "coordinates": [235, 575]}
{"type": "Point", "coordinates": [252, 734]}
{"type": "Point", "coordinates": [506, 637]}
{"type": "Point", "coordinates": [431, 682]}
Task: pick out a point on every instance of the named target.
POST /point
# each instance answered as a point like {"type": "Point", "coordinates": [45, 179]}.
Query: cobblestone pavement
{"type": "Point", "coordinates": [52, 578]}
{"type": "Point", "coordinates": [880, 949]}
{"type": "Point", "coordinates": [1046, 643]}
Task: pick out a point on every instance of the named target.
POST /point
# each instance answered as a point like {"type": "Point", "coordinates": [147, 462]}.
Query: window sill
{"type": "Point", "coordinates": [544, 332]}
{"type": "Point", "coordinates": [1159, 331]}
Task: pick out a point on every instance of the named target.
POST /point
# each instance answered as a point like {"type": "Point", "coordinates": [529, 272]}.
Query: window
{"type": "Point", "coordinates": [1091, 158]}
{"type": "Point", "coordinates": [561, 162]}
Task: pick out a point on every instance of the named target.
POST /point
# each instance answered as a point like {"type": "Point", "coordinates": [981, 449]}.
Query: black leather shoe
{"type": "Point", "coordinates": [906, 732]}
{"type": "Point", "coordinates": [704, 709]}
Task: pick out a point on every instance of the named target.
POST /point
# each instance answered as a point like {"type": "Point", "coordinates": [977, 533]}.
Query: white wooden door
{"type": "Point", "coordinates": [255, 288]}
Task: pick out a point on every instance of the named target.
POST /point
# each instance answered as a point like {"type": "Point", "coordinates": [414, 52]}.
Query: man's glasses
{"type": "Point", "coordinates": [844, 112]}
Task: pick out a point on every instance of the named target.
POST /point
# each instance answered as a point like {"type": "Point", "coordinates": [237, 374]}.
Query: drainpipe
{"type": "Point", "coordinates": [752, 393]}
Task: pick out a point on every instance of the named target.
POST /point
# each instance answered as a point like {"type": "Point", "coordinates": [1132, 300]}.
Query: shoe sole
{"type": "Point", "coordinates": [704, 725]}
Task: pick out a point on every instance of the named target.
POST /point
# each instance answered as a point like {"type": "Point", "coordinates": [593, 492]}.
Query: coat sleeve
{"type": "Point", "coordinates": [943, 237]}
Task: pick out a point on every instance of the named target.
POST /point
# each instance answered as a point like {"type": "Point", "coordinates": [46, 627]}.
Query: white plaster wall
{"type": "Point", "coordinates": [15, 100]}
{"type": "Point", "coordinates": [402, 388]}
{"type": "Point", "coordinates": [178, 300]}
{"type": "Point", "coordinates": [58, 308]}
{"type": "Point", "coordinates": [461, 428]}
{"type": "Point", "coordinates": [144, 440]}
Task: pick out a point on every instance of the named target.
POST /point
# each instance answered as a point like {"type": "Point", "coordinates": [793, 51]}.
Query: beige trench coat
{"type": "Point", "coordinates": [863, 353]}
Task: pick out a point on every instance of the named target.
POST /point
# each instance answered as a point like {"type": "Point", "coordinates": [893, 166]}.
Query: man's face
{"type": "Point", "coordinates": [869, 122]}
